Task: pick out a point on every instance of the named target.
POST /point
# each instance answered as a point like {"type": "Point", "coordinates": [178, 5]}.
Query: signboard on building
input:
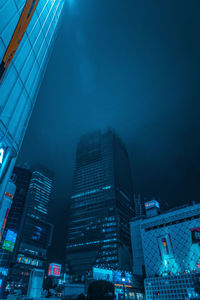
{"type": "Point", "coordinates": [9, 242]}
{"type": "Point", "coordinates": [118, 278]}
{"type": "Point", "coordinates": [151, 204]}
{"type": "Point", "coordinates": [102, 274]}
{"type": "Point", "coordinates": [54, 269]}
{"type": "Point", "coordinates": [29, 261]}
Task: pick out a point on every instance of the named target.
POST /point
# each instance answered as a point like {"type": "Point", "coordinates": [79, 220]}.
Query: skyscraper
{"type": "Point", "coordinates": [39, 194]}
{"type": "Point", "coordinates": [15, 220]}
{"type": "Point", "coordinates": [27, 29]}
{"type": "Point", "coordinates": [101, 204]}
{"type": "Point", "coordinates": [28, 223]}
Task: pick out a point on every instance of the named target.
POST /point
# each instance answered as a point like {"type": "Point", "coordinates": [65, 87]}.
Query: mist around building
{"type": "Point", "coordinates": [119, 244]}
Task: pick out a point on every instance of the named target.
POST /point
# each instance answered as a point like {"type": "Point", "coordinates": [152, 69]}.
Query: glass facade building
{"type": "Point", "coordinates": [19, 86]}
{"type": "Point", "coordinates": [101, 204]}
{"type": "Point", "coordinates": [40, 189]}
{"type": "Point", "coordinates": [31, 228]}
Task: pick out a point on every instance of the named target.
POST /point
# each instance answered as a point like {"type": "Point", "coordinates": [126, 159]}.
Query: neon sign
{"type": "Point", "coordinates": [54, 269]}
{"type": "Point", "coordinates": [28, 261]}
{"type": "Point", "coordinates": [24, 20]}
{"type": "Point", "coordinates": [152, 203]}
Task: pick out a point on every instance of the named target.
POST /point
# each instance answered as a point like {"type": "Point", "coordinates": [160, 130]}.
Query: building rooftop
{"type": "Point", "coordinates": [172, 211]}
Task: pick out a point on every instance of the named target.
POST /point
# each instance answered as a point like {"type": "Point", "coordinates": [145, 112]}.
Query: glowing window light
{"type": "Point", "coordinates": [1, 155]}
{"type": "Point", "coordinates": [91, 192]}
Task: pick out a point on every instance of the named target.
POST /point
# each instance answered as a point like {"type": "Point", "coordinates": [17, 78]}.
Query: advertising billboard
{"type": "Point", "coordinates": [102, 274]}
{"type": "Point", "coordinates": [151, 204]}
{"type": "Point", "coordinates": [54, 269]}
{"type": "Point", "coordinates": [118, 278]}
{"type": "Point", "coordinates": [29, 261]}
{"type": "Point", "coordinates": [24, 20]}
{"type": "Point", "coordinates": [9, 241]}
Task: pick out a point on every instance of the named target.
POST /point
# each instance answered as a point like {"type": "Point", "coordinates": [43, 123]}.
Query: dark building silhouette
{"type": "Point", "coordinates": [139, 202]}
{"type": "Point", "coordinates": [14, 222]}
{"type": "Point", "coordinates": [28, 220]}
{"type": "Point", "coordinates": [101, 204]}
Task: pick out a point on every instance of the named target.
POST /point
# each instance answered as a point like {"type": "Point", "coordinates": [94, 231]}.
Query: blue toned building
{"type": "Point", "coordinates": [39, 194]}
{"type": "Point", "coordinates": [101, 205]}
{"type": "Point", "coordinates": [27, 32]}
{"type": "Point", "coordinates": [168, 245]}
{"type": "Point", "coordinates": [28, 224]}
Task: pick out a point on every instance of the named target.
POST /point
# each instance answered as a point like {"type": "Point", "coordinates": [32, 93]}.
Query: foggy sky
{"type": "Point", "coordinates": [135, 66]}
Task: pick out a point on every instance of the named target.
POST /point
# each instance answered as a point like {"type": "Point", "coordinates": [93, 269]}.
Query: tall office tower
{"type": "Point", "coordinates": [27, 30]}
{"type": "Point", "coordinates": [101, 204]}
{"type": "Point", "coordinates": [40, 189]}
{"type": "Point", "coordinates": [27, 234]}
{"type": "Point", "coordinates": [14, 222]}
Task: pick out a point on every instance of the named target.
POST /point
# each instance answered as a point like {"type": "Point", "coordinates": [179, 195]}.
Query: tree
{"type": "Point", "coordinates": [101, 290]}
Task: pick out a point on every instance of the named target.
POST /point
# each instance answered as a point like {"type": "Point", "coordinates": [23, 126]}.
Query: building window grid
{"type": "Point", "coordinates": [23, 88]}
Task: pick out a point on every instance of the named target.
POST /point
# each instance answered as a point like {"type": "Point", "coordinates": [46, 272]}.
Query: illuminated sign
{"type": "Point", "coordinates": [119, 280]}
{"type": "Point", "coordinates": [9, 195]}
{"type": "Point", "coordinates": [151, 204]}
{"type": "Point", "coordinates": [102, 274]}
{"type": "Point", "coordinates": [54, 269]}
{"type": "Point", "coordinates": [24, 20]}
{"type": "Point", "coordinates": [195, 235]}
{"type": "Point", "coordinates": [3, 271]}
{"type": "Point", "coordinates": [5, 218]}
{"type": "Point", "coordinates": [4, 223]}
{"type": "Point", "coordinates": [126, 285]}
{"type": "Point", "coordinates": [28, 261]}
{"type": "Point", "coordinates": [9, 241]}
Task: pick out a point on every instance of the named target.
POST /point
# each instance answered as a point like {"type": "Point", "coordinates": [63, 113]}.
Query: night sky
{"type": "Point", "coordinates": [134, 66]}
